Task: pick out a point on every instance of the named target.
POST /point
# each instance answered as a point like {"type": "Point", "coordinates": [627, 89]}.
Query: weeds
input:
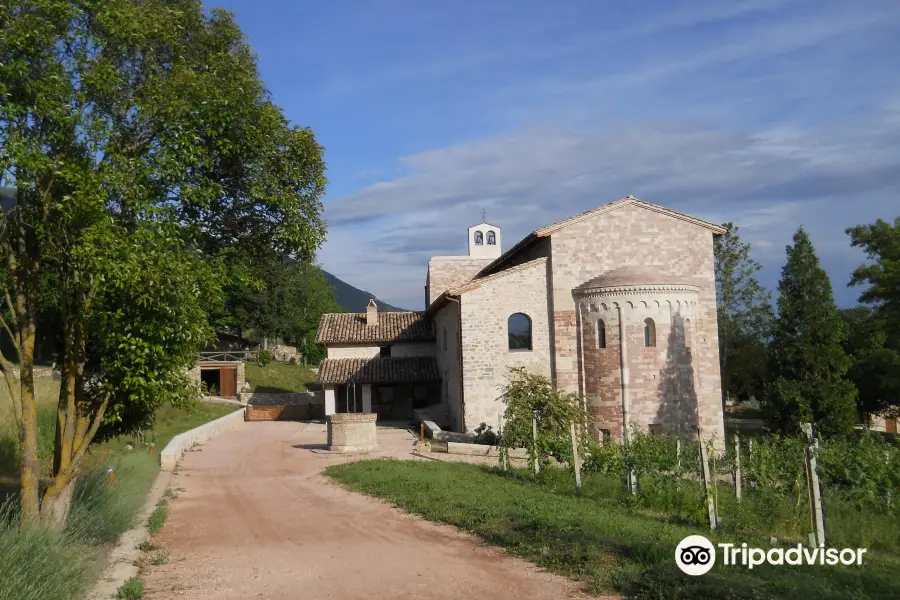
{"type": "Point", "coordinates": [159, 516]}
{"type": "Point", "coordinates": [159, 558]}
{"type": "Point", "coordinates": [132, 589]}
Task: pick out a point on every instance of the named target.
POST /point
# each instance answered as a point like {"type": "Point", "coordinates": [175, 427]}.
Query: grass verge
{"type": "Point", "coordinates": [279, 377]}
{"type": "Point", "coordinates": [40, 565]}
{"type": "Point", "coordinates": [610, 548]}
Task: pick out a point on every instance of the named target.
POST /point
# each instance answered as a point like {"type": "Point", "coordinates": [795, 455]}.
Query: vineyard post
{"type": "Point", "coordinates": [704, 473]}
{"type": "Point", "coordinates": [812, 447]}
{"type": "Point", "coordinates": [678, 454]}
{"type": "Point", "coordinates": [576, 460]}
{"type": "Point", "coordinates": [503, 460]}
{"type": "Point", "coordinates": [737, 467]}
{"type": "Point", "coordinates": [537, 461]}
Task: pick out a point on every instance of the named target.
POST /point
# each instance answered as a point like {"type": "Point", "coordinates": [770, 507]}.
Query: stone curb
{"type": "Point", "coordinates": [182, 442]}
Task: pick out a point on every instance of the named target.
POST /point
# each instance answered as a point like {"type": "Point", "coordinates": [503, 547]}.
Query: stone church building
{"type": "Point", "coordinates": [616, 304]}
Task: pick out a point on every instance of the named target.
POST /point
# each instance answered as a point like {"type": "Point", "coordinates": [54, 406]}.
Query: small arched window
{"type": "Point", "coordinates": [479, 238]}
{"type": "Point", "coordinates": [492, 238]}
{"type": "Point", "coordinates": [649, 333]}
{"type": "Point", "coordinates": [687, 333]}
{"type": "Point", "coordinates": [519, 327]}
{"type": "Point", "coordinates": [601, 334]}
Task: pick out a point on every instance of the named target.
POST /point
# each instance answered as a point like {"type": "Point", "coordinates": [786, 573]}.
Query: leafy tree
{"type": "Point", "coordinates": [744, 317]}
{"type": "Point", "coordinates": [142, 149]}
{"type": "Point", "coordinates": [874, 367]}
{"type": "Point", "coordinates": [528, 394]}
{"type": "Point", "coordinates": [288, 304]}
{"type": "Point", "coordinates": [876, 351]}
{"type": "Point", "coordinates": [807, 360]}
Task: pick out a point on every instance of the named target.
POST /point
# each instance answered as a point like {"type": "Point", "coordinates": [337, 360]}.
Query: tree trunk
{"type": "Point", "coordinates": [29, 466]}
{"type": "Point", "coordinates": [55, 506]}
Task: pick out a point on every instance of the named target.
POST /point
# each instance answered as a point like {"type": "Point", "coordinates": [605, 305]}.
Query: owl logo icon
{"type": "Point", "coordinates": [695, 555]}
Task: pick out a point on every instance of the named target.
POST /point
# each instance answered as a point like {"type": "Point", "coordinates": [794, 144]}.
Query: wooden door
{"type": "Point", "coordinates": [890, 425]}
{"type": "Point", "coordinates": [228, 380]}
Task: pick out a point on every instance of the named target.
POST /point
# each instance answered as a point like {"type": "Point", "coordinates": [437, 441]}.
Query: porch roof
{"type": "Point", "coordinates": [379, 370]}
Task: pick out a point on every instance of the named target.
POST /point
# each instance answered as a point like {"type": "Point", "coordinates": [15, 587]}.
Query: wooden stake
{"type": "Point", "coordinates": [737, 467]}
{"type": "Point", "coordinates": [537, 460]}
{"type": "Point", "coordinates": [704, 472]}
{"type": "Point", "coordinates": [576, 460]}
{"type": "Point", "coordinates": [812, 450]}
{"type": "Point", "coordinates": [422, 432]}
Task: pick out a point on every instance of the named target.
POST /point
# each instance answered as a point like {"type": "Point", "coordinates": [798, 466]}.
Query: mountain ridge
{"type": "Point", "coordinates": [355, 300]}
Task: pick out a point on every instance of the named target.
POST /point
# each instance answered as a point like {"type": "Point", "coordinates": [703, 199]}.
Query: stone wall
{"type": "Point", "coordinates": [635, 236]}
{"type": "Point", "coordinates": [352, 432]}
{"type": "Point", "coordinates": [446, 326]}
{"type": "Point", "coordinates": [486, 354]}
{"type": "Point", "coordinates": [407, 349]}
{"type": "Point", "coordinates": [284, 353]}
{"type": "Point", "coordinates": [446, 272]}
{"type": "Point", "coordinates": [281, 398]}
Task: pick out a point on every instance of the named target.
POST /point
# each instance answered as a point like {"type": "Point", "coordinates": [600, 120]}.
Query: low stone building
{"type": "Point", "coordinates": [378, 363]}
{"type": "Point", "coordinates": [617, 305]}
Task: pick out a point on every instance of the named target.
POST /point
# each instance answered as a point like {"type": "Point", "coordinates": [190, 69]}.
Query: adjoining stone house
{"type": "Point", "coordinates": [616, 304]}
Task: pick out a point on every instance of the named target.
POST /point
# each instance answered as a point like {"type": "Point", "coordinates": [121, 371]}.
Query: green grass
{"type": "Point", "coordinates": [41, 565]}
{"type": "Point", "coordinates": [591, 537]}
{"type": "Point", "coordinates": [132, 589]}
{"type": "Point", "coordinates": [279, 377]}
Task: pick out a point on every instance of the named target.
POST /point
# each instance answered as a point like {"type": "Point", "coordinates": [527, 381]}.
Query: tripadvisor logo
{"type": "Point", "coordinates": [696, 555]}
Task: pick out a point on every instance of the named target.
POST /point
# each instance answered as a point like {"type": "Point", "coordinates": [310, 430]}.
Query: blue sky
{"type": "Point", "coordinates": [768, 113]}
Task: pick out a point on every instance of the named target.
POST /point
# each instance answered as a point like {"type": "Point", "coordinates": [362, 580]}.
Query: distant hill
{"type": "Point", "coordinates": [354, 299]}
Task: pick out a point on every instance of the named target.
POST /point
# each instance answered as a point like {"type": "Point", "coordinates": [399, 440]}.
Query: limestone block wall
{"type": "Point", "coordinates": [486, 354]}
{"type": "Point", "coordinates": [446, 272]}
{"type": "Point", "coordinates": [635, 236]}
{"type": "Point", "coordinates": [352, 432]}
{"type": "Point", "coordinates": [446, 326]}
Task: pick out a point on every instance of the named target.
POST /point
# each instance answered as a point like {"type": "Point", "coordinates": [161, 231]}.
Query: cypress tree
{"type": "Point", "coordinates": [807, 359]}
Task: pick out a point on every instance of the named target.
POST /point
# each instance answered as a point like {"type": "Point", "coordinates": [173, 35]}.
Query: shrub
{"type": "Point", "coordinates": [485, 435]}
{"type": "Point", "coordinates": [527, 396]}
{"type": "Point", "coordinates": [263, 357]}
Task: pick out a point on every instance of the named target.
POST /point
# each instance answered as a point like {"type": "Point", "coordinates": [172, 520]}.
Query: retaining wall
{"type": "Point", "coordinates": [176, 448]}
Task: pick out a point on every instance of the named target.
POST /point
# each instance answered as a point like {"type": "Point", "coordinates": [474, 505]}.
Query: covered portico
{"type": "Point", "coordinates": [390, 387]}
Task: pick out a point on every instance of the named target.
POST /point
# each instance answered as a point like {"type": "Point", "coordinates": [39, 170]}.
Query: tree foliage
{"type": "Point", "coordinates": [874, 341]}
{"type": "Point", "coordinates": [807, 361]}
{"type": "Point", "coordinates": [140, 146]}
{"type": "Point", "coordinates": [528, 395]}
{"type": "Point", "coordinates": [287, 304]}
{"type": "Point", "coordinates": [744, 317]}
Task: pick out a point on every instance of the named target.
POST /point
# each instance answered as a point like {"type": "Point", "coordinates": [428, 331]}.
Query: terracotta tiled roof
{"type": "Point", "coordinates": [379, 370]}
{"type": "Point", "coordinates": [351, 328]}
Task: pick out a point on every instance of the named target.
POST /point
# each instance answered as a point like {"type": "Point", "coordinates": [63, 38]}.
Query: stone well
{"type": "Point", "coordinates": [352, 432]}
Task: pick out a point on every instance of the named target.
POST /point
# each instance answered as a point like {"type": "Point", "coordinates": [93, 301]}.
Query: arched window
{"type": "Point", "coordinates": [687, 333]}
{"type": "Point", "coordinates": [601, 334]}
{"type": "Point", "coordinates": [649, 333]}
{"type": "Point", "coordinates": [519, 327]}
{"type": "Point", "coordinates": [479, 238]}
{"type": "Point", "coordinates": [492, 238]}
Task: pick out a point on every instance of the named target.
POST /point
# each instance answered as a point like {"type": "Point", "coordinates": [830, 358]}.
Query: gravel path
{"type": "Point", "coordinates": [255, 519]}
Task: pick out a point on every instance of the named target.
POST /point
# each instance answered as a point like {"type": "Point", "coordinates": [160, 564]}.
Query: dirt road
{"type": "Point", "coordinates": [254, 518]}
